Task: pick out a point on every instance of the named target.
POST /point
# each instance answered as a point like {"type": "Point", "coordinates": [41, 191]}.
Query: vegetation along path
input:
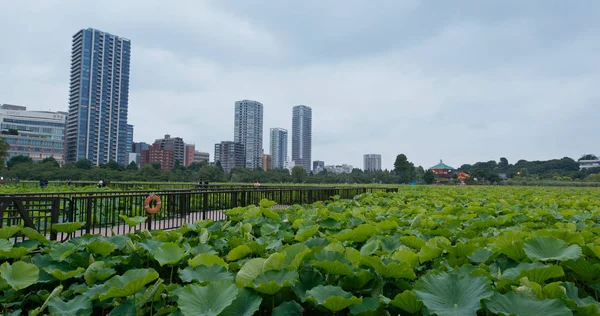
{"type": "Point", "coordinates": [420, 251]}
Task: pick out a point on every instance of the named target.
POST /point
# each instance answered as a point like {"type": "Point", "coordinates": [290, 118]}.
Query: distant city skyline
{"type": "Point", "coordinates": [472, 83]}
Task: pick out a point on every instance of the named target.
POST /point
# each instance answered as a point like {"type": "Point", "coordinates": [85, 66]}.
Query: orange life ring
{"type": "Point", "coordinates": [149, 199]}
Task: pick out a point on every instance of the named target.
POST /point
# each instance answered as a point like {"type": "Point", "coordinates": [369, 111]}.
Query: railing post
{"type": "Point", "coordinates": [54, 217]}
{"type": "Point", "coordinates": [233, 199]}
{"type": "Point", "coordinates": [204, 204]}
{"type": "Point", "coordinates": [88, 220]}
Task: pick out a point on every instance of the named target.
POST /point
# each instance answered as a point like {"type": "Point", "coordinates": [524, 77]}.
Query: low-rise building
{"type": "Point", "coordinates": [343, 168]}
{"type": "Point", "coordinates": [35, 134]}
{"type": "Point", "coordinates": [586, 164]}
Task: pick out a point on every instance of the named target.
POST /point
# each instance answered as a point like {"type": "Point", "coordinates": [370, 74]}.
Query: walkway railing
{"type": "Point", "coordinates": [100, 212]}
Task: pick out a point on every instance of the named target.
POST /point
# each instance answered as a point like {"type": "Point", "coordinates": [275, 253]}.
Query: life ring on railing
{"type": "Point", "coordinates": [149, 199]}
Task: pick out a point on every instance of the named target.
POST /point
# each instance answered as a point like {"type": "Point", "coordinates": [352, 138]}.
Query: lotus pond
{"type": "Point", "coordinates": [421, 251]}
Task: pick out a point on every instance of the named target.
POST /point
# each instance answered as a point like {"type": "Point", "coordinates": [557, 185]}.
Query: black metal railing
{"type": "Point", "coordinates": [101, 211]}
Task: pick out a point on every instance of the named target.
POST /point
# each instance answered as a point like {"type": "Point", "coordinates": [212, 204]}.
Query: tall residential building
{"type": "Point", "coordinates": [318, 166]}
{"type": "Point", "coordinates": [175, 144]}
{"type": "Point", "coordinates": [248, 131]}
{"type": "Point", "coordinates": [230, 155]}
{"type": "Point", "coordinates": [267, 162]}
{"type": "Point", "coordinates": [98, 98]}
{"type": "Point", "coordinates": [189, 154]}
{"type": "Point", "coordinates": [35, 134]}
{"type": "Point", "coordinates": [278, 146]}
{"type": "Point", "coordinates": [372, 162]}
{"type": "Point", "coordinates": [129, 138]}
{"type": "Point", "coordinates": [302, 136]}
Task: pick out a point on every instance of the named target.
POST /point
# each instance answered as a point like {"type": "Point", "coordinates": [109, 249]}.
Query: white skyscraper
{"type": "Point", "coordinates": [278, 147]}
{"type": "Point", "coordinates": [248, 130]}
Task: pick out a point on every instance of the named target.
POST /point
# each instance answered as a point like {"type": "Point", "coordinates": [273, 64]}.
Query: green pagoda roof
{"type": "Point", "coordinates": [441, 165]}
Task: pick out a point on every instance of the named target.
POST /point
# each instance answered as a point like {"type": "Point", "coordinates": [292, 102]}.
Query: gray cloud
{"type": "Point", "coordinates": [462, 80]}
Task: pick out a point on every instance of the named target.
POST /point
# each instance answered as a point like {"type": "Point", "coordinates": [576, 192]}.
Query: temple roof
{"type": "Point", "coordinates": [441, 165]}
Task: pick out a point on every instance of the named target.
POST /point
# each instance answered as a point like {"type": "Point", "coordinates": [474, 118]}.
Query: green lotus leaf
{"type": "Point", "coordinates": [408, 302]}
{"type": "Point", "coordinates": [513, 304]}
{"type": "Point", "coordinates": [14, 253]}
{"type": "Point", "coordinates": [356, 281]}
{"type": "Point", "coordinates": [368, 307]}
{"type": "Point", "coordinates": [480, 255]}
{"type": "Point", "coordinates": [128, 284]}
{"type": "Point", "coordinates": [57, 290]}
{"type": "Point", "coordinates": [79, 305]}
{"type": "Point", "coordinates": [269, 229]}
{"type": "Point", "coordinates": [332, 263]}
{"type": "Point", "coordinates": [584, 269]}
{"type": "Point", "coordinates": [246, 303]}
{"type": "Point", "coordinates": [510, 243]}
{"type": "Point", "coordinates": [97, 272]}
{"type": "Point", "coordinates": [133, 221]}
{"type": "Point", "coordinates": [266, 203]}
{"type": "Point", "coordinates": [126, 308]}
{"type": "Point", "coordinates": [544, 248]}
{"type": "Point", "coordinates": [204, 236]}
{"type": "Point", "coordinates": [20, 274]}
{"type": "Point", "coordinates": [9, 231]}
{"type": "Point", "coordinates": [586, 305]}
{"type": "Point", "coordinates": [406, 255]}
{"type": "Point", "coordinates": [103, 248]}
{"type": "Point", "coordinates": [60, 252]}
{"type": "Point", "coordinates": [270, 282]}
{"type": "Point", "coordinates": [554, 290]}
{"type": "Point", "coordinates": [306, 281]}
{"type": "Point", "coordinates": [150, 245]}
{"type": "Point", "coordinates": [238, 252]}
{"type": "Point", "coordinates": [68, 227]}
{"type": "Point", "coordinates": [204, 274]}
{"type": "Point", "coordinates": [294, 255]}
{"type": "Point", "coordinates": [207, 260]}
{"type": "Point", "coordinates": [249, 271]}
{"type": "Point", "coordinates": [335, 247]}
{"type": "Point", "coordinates": [395, 270]}
{"type": "Point", "coordinates": [352, 255]}
{"type": "Point", "coordinates": [390, 244]}
{"type": "Point", "coordinates": [208, 300]}
{"type": "Point", "coordinates": [274, 262]}
{"type": "Point", "coordinates": [203, 248]}
{"type": "Point", "coordinates": [334, 298]}
{"type": "Point", "coordinates": [452, 294]}
{"type": "Point", "coordinates": [307, 232]}
{"type": "Point", "coordinates": [412, 241]}
{"type": "Point", "coordinates": [370, 247]}
{"type": "Point", "coordinates": [5, 245]}
{"type": "Point", "coordinates": [363, 232]}
{"type": "Point", "coordinates": [62, 273]}
{"type": "Point", "coordinates": [169, 253]}
{"type": "Point", "coordinates": [33, 234]}
{"type": "Point", "coordinates": [290, 308]}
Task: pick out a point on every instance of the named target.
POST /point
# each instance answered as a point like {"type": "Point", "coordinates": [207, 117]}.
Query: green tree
{"type": "Point", "coordinates": [132, 166]}
{"type": "Point", "coordinates": [4, 146]}
{"type": "Point", "coordinates": [156, 165]}
{"type": "Point", "coordinates": [50, 161]}
{"type": "Point", "coordinates": [18, 159]}
{"type": "Point", "coordinates": [404, 169]}
{"type": "Point", "coordinates": [429, 176]}
{"type": "Point", "coordinates": [503, 164]}
{"type": "Point", "coordinates": [298, 174]}
{"type": "Point", "coordinates": [111, 165]}
{"type": "Point", "coordinates": [84, 164]}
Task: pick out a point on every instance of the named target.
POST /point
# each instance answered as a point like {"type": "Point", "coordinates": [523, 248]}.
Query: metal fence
{"type": "Point", "coordinates": [101, 211]}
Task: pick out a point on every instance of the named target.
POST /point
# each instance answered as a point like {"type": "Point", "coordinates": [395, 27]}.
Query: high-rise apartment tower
{"type": "Point", "coordinates": [278, 147]}
{"type": "Point", "coordinates": [302, 136]}
{"type": "Point", "coordinates": [248, 131]}
{"type": "Point", "coordinates": [98, 98]}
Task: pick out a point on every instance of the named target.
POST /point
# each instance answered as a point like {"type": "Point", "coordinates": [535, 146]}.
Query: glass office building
{"type": "Point", "coordinates": [35, 134]}
{"type": "Point", "coordinates": [98, 98]}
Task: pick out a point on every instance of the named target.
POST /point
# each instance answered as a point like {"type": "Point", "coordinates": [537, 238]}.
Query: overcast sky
{"type": "Point", "coordinates": [461, 81]}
